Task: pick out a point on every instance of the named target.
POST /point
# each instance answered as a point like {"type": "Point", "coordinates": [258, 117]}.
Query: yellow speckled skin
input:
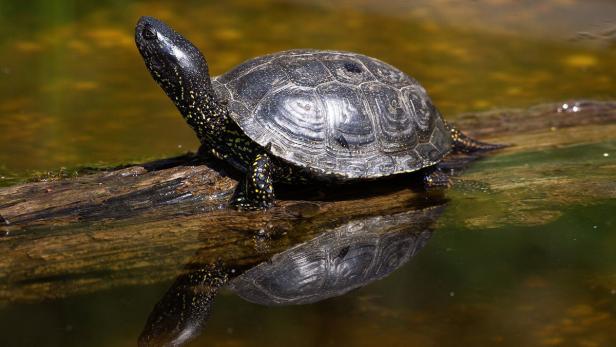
{"type": "Point", "coordinates": [182, 72]}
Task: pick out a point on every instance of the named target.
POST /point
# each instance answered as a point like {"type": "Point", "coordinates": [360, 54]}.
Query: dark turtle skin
{"type": "Point", "coordinates": [299, 115]}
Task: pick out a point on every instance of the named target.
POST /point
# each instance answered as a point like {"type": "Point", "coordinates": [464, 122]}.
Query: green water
{"type": "Point", "coordinates": [508, 267]}
{"type": "Point", "coordinates": [553, 284]}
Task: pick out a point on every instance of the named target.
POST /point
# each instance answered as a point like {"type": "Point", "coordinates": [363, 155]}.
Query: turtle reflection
{"type": "Point", "coordinates": [343, 258]}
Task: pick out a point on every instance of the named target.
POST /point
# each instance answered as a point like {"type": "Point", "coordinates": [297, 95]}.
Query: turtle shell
{"type": "Point", "coordinates": [335, 113]}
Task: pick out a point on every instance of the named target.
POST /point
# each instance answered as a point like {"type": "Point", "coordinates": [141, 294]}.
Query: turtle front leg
{"type": "Point", "coordinates": [256, 190]}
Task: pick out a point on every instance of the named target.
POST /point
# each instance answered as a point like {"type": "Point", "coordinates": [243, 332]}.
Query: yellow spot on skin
{"type": "Point", "coordinates": [580, 61]}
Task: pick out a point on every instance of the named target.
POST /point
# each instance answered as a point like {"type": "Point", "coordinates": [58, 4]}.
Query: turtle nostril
{"type": "Point", "coordinates": [148, 32]}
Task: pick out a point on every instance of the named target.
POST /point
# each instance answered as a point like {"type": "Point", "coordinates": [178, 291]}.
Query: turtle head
{"type": "Point", "coordinates": [173, 61]}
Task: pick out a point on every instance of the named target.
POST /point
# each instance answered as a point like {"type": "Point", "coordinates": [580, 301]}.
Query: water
{"type": "Point", "coordinates": [515, 285]}
{"type": "Point", "coordinates": [509, 263]}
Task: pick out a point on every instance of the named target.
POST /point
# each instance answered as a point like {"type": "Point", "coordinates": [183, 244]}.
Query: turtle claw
{"type": "Point", "coordinates": [241, 202]}
{"type": "Point", "coordinates": [436, 179]}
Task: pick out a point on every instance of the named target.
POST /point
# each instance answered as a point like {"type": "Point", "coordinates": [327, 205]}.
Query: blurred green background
{"type": "Point", "coordinates": [74, 91]}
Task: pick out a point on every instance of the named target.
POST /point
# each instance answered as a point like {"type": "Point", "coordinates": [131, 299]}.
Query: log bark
{"type": "Point", "coordinates": [177, 185]}
{"type": "Point", "coordinates": [141, 223]}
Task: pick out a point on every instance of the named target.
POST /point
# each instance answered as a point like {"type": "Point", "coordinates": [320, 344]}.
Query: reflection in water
{"type": "Point", "coordinates": [182, 312]}
{"type": "Point", "coordinates": [345, 257]}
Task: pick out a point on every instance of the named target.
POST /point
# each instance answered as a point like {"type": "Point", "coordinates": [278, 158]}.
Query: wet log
{"type": "Point", "coordinates": [168, 187]}
{"type": "Point", "coordinates": [142, 223]}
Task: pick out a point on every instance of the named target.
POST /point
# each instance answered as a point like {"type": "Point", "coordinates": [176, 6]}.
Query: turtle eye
{"type": "Point", "coordinates": [148, 32]}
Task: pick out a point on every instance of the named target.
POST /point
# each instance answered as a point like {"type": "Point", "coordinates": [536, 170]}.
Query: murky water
{"type": "Point", "coordinates": [505, 265]}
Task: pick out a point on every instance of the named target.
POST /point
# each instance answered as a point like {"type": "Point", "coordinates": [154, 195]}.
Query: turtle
{"type": "Point", "coordinates": [303, 115]}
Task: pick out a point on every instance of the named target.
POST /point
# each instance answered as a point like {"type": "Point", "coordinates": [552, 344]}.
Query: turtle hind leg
{"type": "Point", "coordinates": [465, 144]}
{"type": "Point", "coordinates": [256, 190]}
{"type": "Point", "coordinates": [435, 179]}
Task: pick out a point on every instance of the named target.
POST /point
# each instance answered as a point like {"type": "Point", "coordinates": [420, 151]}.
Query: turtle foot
{"type": "Point", "coordinates": [436, 180]}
